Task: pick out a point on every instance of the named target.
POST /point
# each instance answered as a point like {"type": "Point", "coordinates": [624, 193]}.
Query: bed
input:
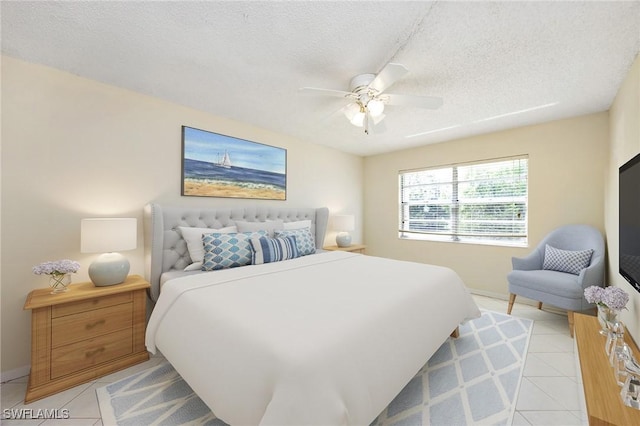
{"type": "Point", "coordinates": [328, 338]}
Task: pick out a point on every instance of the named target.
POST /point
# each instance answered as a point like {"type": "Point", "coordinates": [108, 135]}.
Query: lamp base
{"type": "Point", "coordinates": [109, 269]}
{"type": "Point", "coordinates": [343, 239]}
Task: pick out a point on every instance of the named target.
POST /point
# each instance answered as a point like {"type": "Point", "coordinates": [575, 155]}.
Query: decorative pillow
{"type": "Point", "coordinates": [222, 251]}
{"type": "Point", "coordinates": [193, 237]}
{"type": "Point", "coordinates": [270, 226]}
{"type": "Point", "coordinates": [266, 250]}
{"type": "Point", "coordinates": [566, 261]}
{"type": "Point", "coordinates": [300, 224]}
{"type": "Point", "coordinates": [304, 238]}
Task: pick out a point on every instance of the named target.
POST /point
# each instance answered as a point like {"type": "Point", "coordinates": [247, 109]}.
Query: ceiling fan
{"type": "Point", "coordinates": [368, 99]}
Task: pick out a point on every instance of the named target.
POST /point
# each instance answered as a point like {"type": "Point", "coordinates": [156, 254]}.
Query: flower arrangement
{"type": "Point", "coordinates": [608, 297]}
{"type": "Point", "coordinates": [59, 267]}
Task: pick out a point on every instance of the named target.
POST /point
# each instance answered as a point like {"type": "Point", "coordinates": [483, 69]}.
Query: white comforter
{"type": "Point", "coordinates": [328, 339]}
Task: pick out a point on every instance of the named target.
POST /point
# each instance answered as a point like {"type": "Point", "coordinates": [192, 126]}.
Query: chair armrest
{"type": "Point", "coordinates": [593, 274]}
{"type": "Point", "coordinates": [530, 263]}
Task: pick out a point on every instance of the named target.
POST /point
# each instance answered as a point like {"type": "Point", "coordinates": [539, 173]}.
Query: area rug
{"type": "Point", "coordinates": [471, 380]}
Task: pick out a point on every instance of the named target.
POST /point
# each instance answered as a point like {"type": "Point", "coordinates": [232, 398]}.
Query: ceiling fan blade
{"type": "Point", "coordinates": [391, 73]}
{"type": "Point", "coordinates": [327, 92]}
{"type": "Point", "coordinates": [429, 102]}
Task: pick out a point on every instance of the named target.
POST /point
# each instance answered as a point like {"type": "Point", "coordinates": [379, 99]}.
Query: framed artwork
{"type": "Point", "coordinates": [215, 165]}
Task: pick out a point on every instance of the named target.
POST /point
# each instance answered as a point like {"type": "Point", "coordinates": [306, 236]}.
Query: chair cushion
{"type": "Point", "coordinates": [555, 283]}
{"type": "Point", "coordinates": [571, 262]}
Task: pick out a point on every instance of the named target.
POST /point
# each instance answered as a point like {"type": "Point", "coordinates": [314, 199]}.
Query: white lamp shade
{"type": "Point", "coordinates": [105, 235]}
{"type": "Point", "coordinates": [351, 110]}
{"type": "Point", "coordinates": [344, 222]}
{"type": "Point", "coordinates": [375, 107]}
{"type": "Point", "coordinates": [358, 119]}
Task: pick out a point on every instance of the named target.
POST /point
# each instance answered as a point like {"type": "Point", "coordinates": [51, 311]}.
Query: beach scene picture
{"type": "Point", "coordinates": [215, 165]}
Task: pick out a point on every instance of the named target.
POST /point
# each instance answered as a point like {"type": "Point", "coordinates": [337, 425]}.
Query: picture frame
{"type": "Point", "coordinates": [217, 165]}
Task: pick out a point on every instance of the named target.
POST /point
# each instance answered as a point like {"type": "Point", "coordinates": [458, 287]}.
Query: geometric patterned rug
{"type": "Point", "coordinates": [471, 380]}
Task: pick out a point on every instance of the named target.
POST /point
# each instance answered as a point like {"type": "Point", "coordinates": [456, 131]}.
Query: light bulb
{"type": "Point", "coordinates": [375, 107]}
{"type": "Point", "coordinates": [358, 119]}
{"type": "Point", "coordinates": [351, 110]}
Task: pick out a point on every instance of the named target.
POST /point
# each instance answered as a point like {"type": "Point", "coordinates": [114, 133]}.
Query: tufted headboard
{"type": "Point", "coordinates": [165, 250]}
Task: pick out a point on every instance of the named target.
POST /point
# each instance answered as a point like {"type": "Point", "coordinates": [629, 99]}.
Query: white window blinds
{"type": "Point", "coordinates": [478, 202]}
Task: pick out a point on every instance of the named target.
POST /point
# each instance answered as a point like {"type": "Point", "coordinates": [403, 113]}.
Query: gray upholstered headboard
{"type": "Point", "coordinates": [165, 249]}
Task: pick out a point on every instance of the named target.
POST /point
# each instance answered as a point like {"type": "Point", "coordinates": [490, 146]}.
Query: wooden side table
{"type": "Point", "coordinates": [354, 248]}
{"type": "Point", "coordinates": [84, 333]}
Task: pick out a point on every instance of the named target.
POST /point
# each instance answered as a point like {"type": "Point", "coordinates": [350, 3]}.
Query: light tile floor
{"type": "Point", "coordinates": [549, 393]}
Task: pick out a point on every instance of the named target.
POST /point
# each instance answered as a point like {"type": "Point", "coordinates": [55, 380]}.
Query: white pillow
{"type": "Point", "coordinates": [193, 237]}
{"type": "Point", "coordinates": [270, 226]}
{"type": "Point", "coordinates": [301, 224]}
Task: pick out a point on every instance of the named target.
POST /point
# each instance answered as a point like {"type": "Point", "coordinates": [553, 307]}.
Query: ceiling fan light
{"type": "Point", "coordinates": [358, 119]}
{"type": "Point", "coordinates": [375, 107]}
{"type": "Point", "coordinates": [351, 110]}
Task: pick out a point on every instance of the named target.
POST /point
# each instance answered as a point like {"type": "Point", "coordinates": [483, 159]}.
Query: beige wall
{"type": "Point", "coordinates": [624, 117]}
{"type": "Point", "coordinates": [75, 148]}
{"type": "Point", "coordinates": [567, 160]}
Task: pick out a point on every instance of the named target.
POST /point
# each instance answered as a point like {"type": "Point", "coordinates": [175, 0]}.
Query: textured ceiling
{"type": "Point", "coordinates": [497, 65]}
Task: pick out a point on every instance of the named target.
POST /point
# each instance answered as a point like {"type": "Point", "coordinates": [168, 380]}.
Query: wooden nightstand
{"type": "Point", "coordinates": [354, 248]}
{"type": "Point", "coordinates": [84, 333]}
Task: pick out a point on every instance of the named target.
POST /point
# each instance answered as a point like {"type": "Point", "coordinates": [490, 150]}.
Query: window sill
{"type": "Point", "coordinates": [447, 239]}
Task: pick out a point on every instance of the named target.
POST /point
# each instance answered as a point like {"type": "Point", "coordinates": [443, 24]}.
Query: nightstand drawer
{"type": "Point", "coordinates": [90, 304]}
{"type": "Point", "coordinates": [85, 325]}
{"type": "Point", "coordinates": [78, 356]}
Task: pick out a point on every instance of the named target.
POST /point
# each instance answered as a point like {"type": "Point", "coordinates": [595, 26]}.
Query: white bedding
{"type": "Point", "coordinates": [328, 339]}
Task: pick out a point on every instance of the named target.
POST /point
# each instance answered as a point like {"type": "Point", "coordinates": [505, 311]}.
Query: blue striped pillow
{"type": "Point", "coordinates": [267, 250]}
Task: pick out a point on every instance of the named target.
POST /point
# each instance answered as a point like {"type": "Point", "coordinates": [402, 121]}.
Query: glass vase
{"type": "Point", "coordinates": [59, 282]}
{"type": "Point", "coordinates": [607, 318]}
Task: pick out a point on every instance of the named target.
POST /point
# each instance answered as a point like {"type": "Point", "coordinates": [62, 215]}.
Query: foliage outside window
{"type": "Point", "coordinates": [484, 202]}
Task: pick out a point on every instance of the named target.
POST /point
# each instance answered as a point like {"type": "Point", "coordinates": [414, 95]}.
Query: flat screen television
{"type": "Point", "coordinates": [629, 210]}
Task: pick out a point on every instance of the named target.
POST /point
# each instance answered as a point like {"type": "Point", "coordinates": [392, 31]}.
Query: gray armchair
{"type": "Point", "coordinates": [561, 289]}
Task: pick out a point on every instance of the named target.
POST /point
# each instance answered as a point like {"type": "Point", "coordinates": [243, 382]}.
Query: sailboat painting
{"type": "Point", "coordinates": [226, 161]}
{"type": "Point", "coordinates": [216, 165]}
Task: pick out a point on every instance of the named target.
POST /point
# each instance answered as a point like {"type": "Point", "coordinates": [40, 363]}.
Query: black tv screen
{"type": "Point", "coordinates": [629, 250]}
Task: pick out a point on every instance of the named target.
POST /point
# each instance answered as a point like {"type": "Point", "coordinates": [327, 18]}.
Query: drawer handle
{"type": "Point", "coordinates": [99, 322]}
{"type": "Point", "coordinates": [90, 354]}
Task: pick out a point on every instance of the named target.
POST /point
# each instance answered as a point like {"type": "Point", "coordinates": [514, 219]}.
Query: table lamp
{"type": "Point", "coordinates": [108, 236]}
{"type": "Point", "coordinates": [343, 224]}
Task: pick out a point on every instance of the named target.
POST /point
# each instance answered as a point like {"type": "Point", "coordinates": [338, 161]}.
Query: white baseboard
{"type": "Point", "coordinates": [16, 373]}
{"type": "Point", "coordinates": [488, 294]}
{"type": "Point", "coordinates": [519, 299]}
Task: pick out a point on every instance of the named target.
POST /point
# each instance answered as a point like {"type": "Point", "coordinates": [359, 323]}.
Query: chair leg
{"type": "Point", "coordinates": [539, 305]}
{"type": "Point", "coordinates": [512, 298]}
{"type": "Point", "coordinates": [570, 318]}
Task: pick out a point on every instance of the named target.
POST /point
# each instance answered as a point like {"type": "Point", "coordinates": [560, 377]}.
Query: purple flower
{"type": "Point", "coordinates": [59, 267]}
{"type": "Point", "coordinates": [594, 294]}
{"type": "Point", "coordinates": [615, 298]}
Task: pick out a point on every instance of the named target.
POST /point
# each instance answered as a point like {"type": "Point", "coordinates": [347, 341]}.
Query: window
{"type": "Point", "coordinates": [484, 202]}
